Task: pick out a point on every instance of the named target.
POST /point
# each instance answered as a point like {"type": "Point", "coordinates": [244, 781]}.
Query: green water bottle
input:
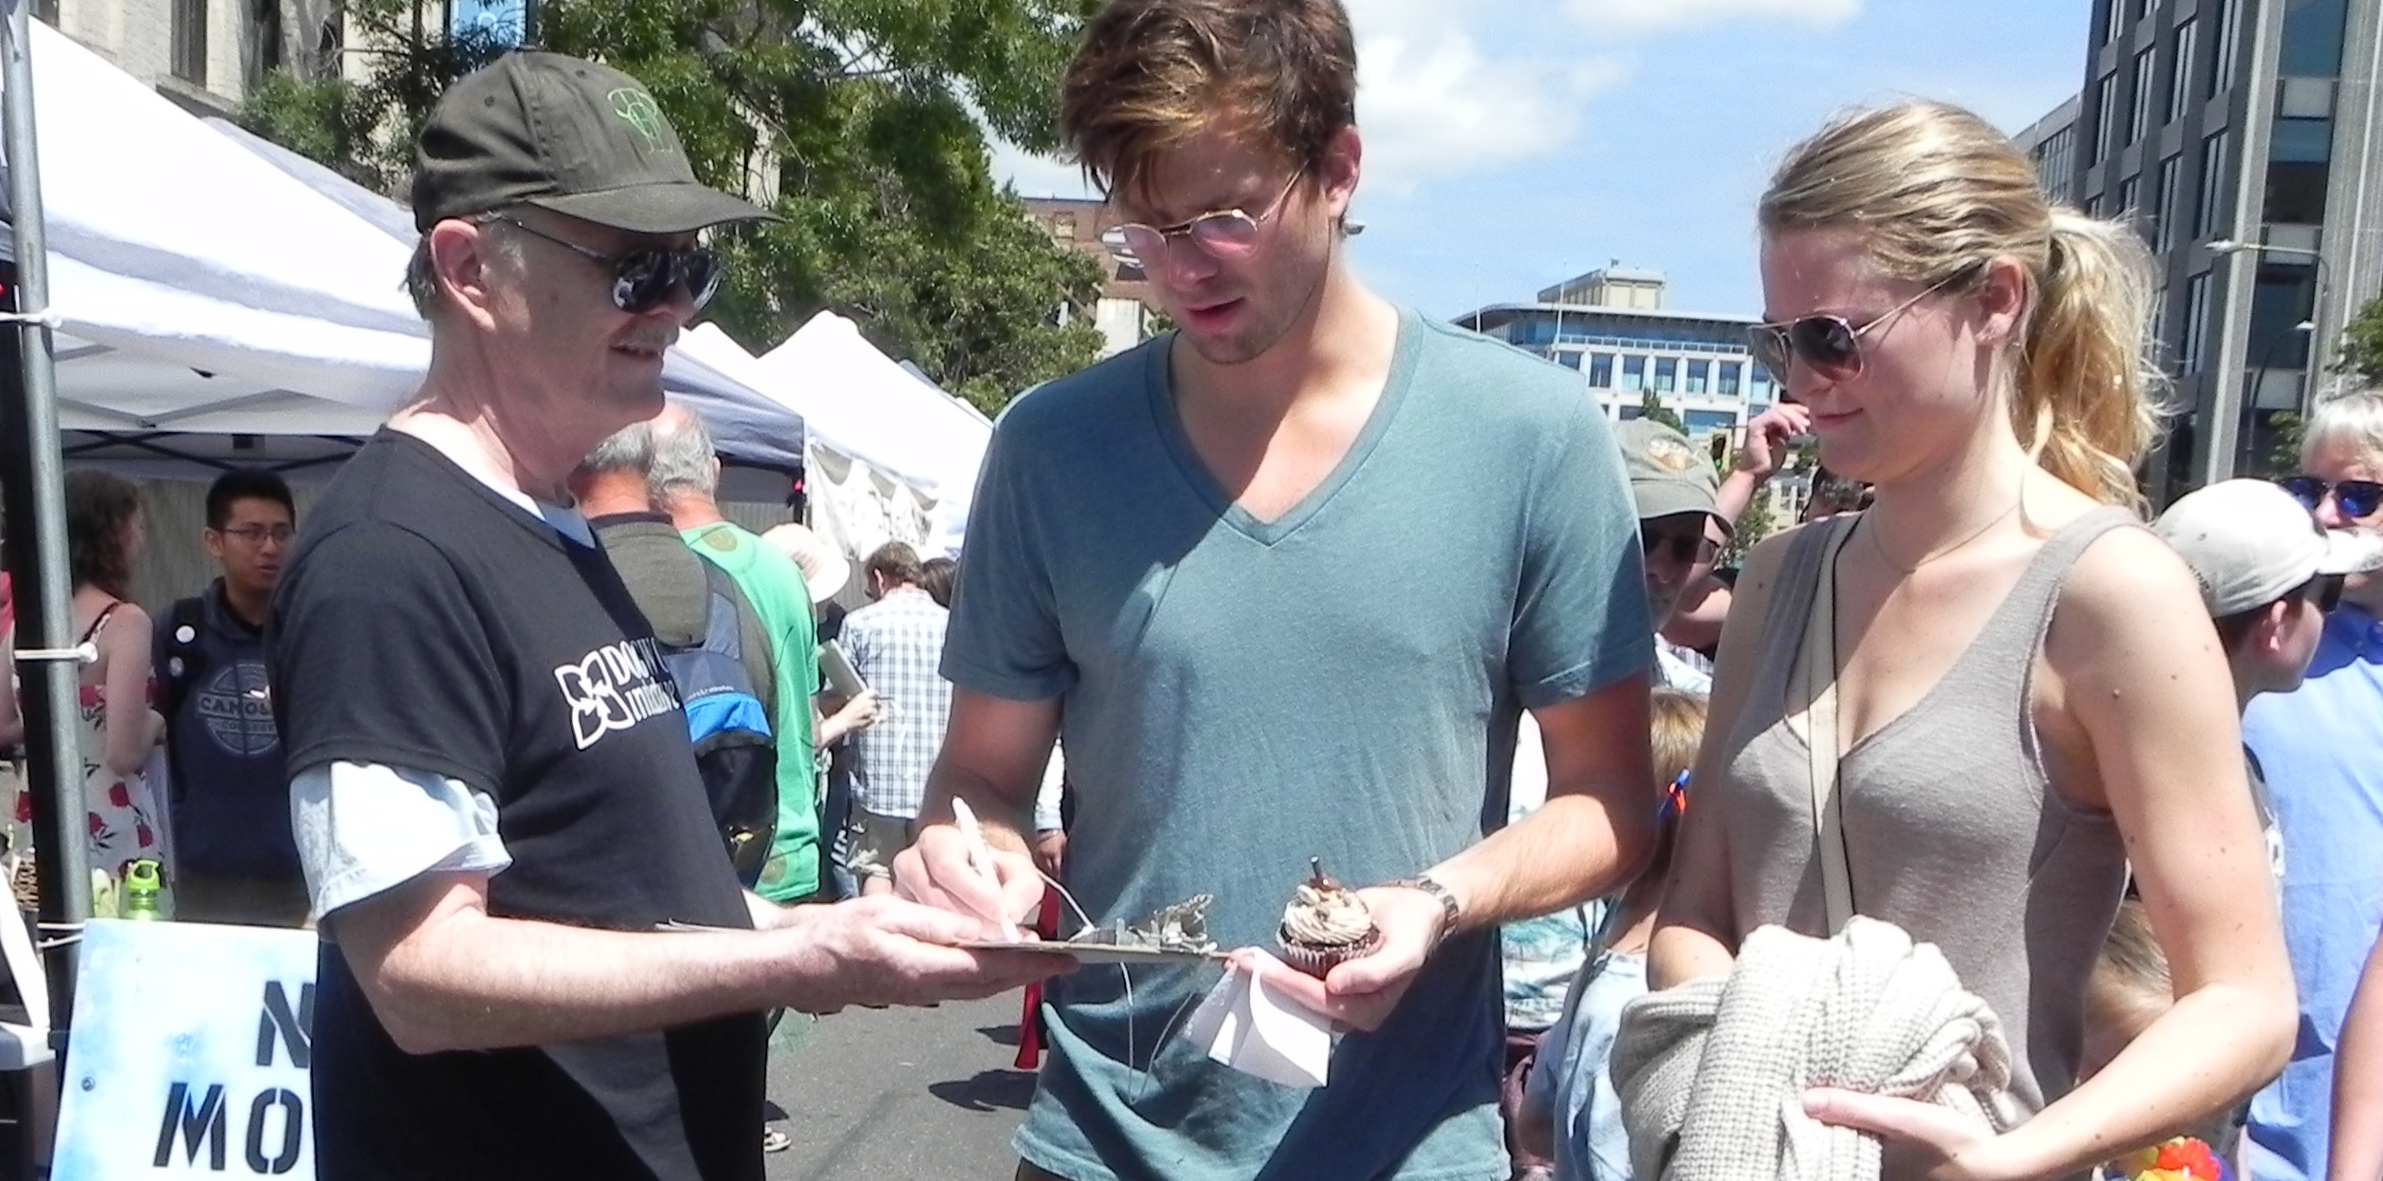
{"type": "Point", "coordinates": [140, 891]}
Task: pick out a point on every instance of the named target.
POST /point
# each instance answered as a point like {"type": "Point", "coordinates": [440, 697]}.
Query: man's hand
{"type": "Point", "coordinates": [935, 871]}
{"type": "Point", "coordinates": [1050, 850]}
{"type": "Point", "coordinates": [1362, 993]}
{"type": "Point", "coordinates": [886, 951]}
{"type": "Point", "coordinates": [1767, 439]}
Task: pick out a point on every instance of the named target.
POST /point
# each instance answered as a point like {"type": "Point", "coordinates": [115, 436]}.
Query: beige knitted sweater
{"type": "Point", "coordinates": [1711, 1074]}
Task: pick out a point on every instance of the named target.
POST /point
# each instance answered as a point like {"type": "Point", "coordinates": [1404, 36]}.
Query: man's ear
{"type": "Point", "coordinates": [2267, 636]}
{"type": "Point", "coordinates": [1338, 171]}
{"type": "Point", "coordinates": [460, 262]}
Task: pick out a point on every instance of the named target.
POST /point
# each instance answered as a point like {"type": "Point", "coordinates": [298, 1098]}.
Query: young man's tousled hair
{"type": "Point", "coordinates": [1151, 74]}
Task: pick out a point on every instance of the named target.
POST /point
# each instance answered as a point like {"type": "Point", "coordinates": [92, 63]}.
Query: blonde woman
{"type": "Point", "coordinates": [2029, 693]}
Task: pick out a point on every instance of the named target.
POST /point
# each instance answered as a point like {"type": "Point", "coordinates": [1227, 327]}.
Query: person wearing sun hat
{"type": "Point", "coordinates": [1676, 493]}
{"type": "Point", "coordinates": [494, 796]}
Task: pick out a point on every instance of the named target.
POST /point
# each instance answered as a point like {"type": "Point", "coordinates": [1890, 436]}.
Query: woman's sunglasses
{"type": "Point", "coordinates": [1223, 233]}
{"type": "Point", "coordinates": [1686, 549]}
{"type": "Point", "coordinates": [2358, 498]}
{"type": "Point", "coordinates": [642, 279]}
{"type": "Point", "coordinates": [1829, 345]}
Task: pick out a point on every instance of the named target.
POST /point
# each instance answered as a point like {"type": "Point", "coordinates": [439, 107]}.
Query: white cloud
{"type": "Point", "coordinates": [1629, 17]}
{"type": "Point", "coordinates": [1035, 176]}
{"type": "Point", "coordinates": [1432, 104]}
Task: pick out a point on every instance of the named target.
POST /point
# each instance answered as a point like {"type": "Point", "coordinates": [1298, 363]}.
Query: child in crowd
{"type": "Point", "coordinates": [1569, 1109]}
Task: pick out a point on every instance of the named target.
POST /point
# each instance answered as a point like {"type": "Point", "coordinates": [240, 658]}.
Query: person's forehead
{"type": "Point", "coordinates": [1213, 170]}
{"type": "Point", "coordinates": [2344, 459]}
{"type": "Point", "coordinates": [1809, 270]}
{"type": "Point", "coordinates": [257, 508]}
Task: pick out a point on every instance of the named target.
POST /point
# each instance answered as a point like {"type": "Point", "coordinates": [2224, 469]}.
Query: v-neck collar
{"type": "Point", "coordinates": [1159, 387]}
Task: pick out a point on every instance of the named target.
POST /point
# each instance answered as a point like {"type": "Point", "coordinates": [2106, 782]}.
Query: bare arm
{"type": "Point", "coordinates": [2137, 669]}
{"type": "Point", "coordinates": [2357, 1153]}
{"type": "Point", "coordinates": [993, 755]}
{"type": "Point", "coordinates": [131, 726]}
{"type": "Point", "coordinates": [1696, 935]}
{"type": "Point", "coordinates": [441, 973]}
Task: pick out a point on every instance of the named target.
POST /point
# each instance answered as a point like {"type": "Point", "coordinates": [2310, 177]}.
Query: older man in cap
{"type": "Point", "coordinates": [1676, 495]}
{"type": "Point", "coordinates": [493, 794]}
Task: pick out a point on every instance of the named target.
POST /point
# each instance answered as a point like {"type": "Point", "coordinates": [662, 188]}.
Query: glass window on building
{"type": "Point", "coordinates": [2114, 21]}
{"type": "Point", "coordinates": [2139, 103]}
{"type": "Point", "coordinates": [2164, 202]}
{"type": "Point", "coordinates": [2298, 154]}
{"type": "Point", "coordinates": [1759, 387]}
{"type": "Point", "coordinates": [2222, 65]}
{"type": "Point", "coordinates": [2210, 214]}
{"type": "Point", "coordinates": [2180, 69]}
{"type": "Point", "coordinates": [2196, 325]}
{"type": "Point", "coordinates": [1569, 359]}
{"type": "Point", "coordinates": [2129, 208]}
{"type": "Point", "coordinates": [1704, 422]}
{"type": "Point", "coordinates": [2105, 118]}
{"type": "Point", "coordinates": [2312, 45]}
{"type": "Point", "coordinates": [1634, 372]}
{"type": "Point", "coordinates": [1601, 370]}
{"type": "Point", "coordinates": [1700, 375]}
{"type": "Point", "coordinates": [2281, 300]}
{"type": "Point", "coordinates": [1731, 373]}
{"type": "Point", "coordinates": [1667, 374]}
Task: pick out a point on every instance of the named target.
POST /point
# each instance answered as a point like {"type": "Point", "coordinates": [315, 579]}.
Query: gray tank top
{"type": "Point", "coordinates": [1951, 829]}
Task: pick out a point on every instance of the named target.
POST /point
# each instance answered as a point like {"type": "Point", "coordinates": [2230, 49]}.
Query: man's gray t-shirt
{"type": "Point", "coordinates": [1239, 696]}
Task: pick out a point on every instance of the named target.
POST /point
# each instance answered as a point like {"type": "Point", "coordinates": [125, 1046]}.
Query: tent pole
{"type": "Point", "coordinates": [36, 504]}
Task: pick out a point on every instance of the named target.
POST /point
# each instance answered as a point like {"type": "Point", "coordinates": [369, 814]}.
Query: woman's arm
{"type": "Point", "coordinates": [2358, 1082]}
{"type": "Point", "coordinates": [2137, 671]}
{"type": "Point", "coordinates": [1696, 935]}
{"type": "Point", "coordinates": [131, 728]}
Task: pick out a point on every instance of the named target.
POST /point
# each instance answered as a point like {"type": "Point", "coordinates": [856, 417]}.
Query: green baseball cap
{"type": "Point", "coordinates": [1667, 475]}
{"type": "Point", "coordinates": [563, 134]}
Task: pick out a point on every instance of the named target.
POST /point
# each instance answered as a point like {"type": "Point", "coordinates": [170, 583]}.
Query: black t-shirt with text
{"type": "Point", "coordinates": [426, 622]}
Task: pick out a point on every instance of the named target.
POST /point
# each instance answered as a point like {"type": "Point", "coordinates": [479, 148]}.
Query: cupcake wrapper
{"type": "Point", "coordinates": [1318, 960]}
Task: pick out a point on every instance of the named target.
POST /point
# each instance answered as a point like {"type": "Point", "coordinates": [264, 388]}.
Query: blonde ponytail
{"type": "Point", "coordinates": [1934, 190]}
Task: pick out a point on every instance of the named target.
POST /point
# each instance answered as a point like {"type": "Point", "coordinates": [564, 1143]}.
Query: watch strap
{"type": "Point", "coordinates": [1440, 893]}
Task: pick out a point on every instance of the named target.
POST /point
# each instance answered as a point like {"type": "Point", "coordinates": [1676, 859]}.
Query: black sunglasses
{"type": "Point", "coordinates": [1830, 345]}
{"type": "Point", "coordinates": [2358, 498]}
{"type": "Point", "coordinates": [2325, 590]}
{"type": "Point", "coordinates": [1683, 548]}
{"type": "Point", "coordinates": [642, 279]}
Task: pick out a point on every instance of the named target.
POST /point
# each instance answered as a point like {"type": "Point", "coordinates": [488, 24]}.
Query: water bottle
{"type": "Point", "coordinates": [140, 891]}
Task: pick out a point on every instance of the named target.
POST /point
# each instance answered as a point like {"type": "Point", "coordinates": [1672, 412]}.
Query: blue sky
{"type": "Point", "coordinates": [1513, 143]}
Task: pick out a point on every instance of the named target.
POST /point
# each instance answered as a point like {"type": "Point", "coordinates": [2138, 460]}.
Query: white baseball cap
{"type": "Point", "coordinates": [824, 570]}
{"type": "Point", "coordinates": [2249, 543]}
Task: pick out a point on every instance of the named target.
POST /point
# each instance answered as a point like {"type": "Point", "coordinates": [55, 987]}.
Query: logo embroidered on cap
{"type": "Point", "coordinates": [1670, 454]}
{"type": "Point", "coordinates": [636, 108]}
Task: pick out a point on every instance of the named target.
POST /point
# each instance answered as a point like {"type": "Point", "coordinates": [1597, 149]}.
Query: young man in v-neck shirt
{"type": "Point", "coordinates": [1286, 579]}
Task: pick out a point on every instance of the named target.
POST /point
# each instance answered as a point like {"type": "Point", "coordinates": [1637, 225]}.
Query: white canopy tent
{"type": "Point", "coordinates": [199, 289]}
{"type": "Point", "coordinates": [861, 406]}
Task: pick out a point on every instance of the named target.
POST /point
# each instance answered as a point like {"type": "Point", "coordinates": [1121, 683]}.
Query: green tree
{"type": "Point", "coordinates": [1650, 405]}
{"type": "Point", "coordinates": [2362, 344]}
{"type": "Point", "coordinates": [1757, 522]}
{"type": "Point", "coordinates": [860, 123]}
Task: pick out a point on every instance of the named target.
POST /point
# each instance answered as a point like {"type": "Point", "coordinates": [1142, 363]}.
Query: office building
{"type": "Point", "coordinates": [1612, 325]}
{"type": "Point", "coordinates": [2240, 137]}
{"type": "Point", "coordinates": [1122, 313]}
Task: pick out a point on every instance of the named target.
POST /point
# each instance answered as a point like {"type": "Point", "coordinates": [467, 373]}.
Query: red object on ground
{"type": "Point", "coordinates": [1030, 1019]}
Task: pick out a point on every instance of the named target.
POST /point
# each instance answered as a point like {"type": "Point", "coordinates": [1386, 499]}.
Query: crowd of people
{"type": "Point", "coordinates": [577, 779]}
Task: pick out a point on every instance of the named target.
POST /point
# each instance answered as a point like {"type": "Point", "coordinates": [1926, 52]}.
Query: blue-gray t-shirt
{"type": "Point", "coordinates": [1239, 696]}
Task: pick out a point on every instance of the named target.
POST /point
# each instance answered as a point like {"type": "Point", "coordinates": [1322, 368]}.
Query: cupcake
{"type": "Point", "coordinates": [1325, 924]}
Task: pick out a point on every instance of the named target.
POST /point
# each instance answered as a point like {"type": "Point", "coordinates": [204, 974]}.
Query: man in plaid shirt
{"type": "Point", "coordinates": [896, 645]}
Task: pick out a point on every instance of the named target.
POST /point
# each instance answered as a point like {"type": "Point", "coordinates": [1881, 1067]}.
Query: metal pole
{"type": "Point", "coordinates": [37, 514]}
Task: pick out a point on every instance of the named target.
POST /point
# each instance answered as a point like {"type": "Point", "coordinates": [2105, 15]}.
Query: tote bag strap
{"type": "Point", "coordinates": [1820, 689]}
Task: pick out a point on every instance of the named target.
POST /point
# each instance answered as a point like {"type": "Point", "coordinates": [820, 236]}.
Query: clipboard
{"type": "Point", "coordinates": [842, 679]}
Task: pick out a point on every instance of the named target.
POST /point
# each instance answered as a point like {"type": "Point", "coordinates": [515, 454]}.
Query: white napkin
{"type": "Point", "coordinates": [1257, 1031]}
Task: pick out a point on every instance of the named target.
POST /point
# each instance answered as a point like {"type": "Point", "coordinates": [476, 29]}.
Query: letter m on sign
{"type": "Point", "coordinates": [279, 1023]}
{"type": "Point", "coordinates": [193, 1125]}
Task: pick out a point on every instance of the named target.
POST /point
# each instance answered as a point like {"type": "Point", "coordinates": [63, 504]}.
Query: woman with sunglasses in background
{"type": "Point", "coordinates": [2018, 686]}
{"type": "Point", "coordinates": [2320, 749]}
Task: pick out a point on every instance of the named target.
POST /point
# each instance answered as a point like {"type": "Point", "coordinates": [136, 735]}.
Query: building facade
{"type": "Point", "coordinates": [2240, 137]}
{"type": "Point", "coordinates": [1123, 313]}
{"type": "Point", "coordinates": [1612, 325]}
{"type": "Point", "coordinates": [205, 55]}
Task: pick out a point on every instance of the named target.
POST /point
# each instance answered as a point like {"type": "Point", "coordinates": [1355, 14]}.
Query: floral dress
{"type": "Point", "coordinates": [121, 810]}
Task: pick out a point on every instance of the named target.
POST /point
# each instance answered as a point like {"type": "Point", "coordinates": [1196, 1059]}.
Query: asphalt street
{"type": "Point", "coordinates": [923, 1094]}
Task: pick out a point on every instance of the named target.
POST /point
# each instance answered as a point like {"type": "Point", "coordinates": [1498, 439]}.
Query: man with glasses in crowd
{"type": "Point", "coordinates": [1199, 559]}
{"type": "Point", "coordinates": [1674, 489]}
{"type": "Point", "coordinates": [495, 798]}
{"type": "Point", "coordinates": [234, 858]}
{"type": "Point", "coordinates": [2321, 749]}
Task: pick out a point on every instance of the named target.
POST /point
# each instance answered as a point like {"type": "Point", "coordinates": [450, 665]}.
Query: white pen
{"type": "Point", "coordinates": [980, 855]}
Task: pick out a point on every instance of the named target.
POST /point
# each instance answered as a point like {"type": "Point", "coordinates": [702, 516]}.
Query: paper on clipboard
{"type": "Point", "coordinates": [842, 679]}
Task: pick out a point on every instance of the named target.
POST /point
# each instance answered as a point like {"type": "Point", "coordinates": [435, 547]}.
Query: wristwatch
{"type": "Point", "coordinates": [1442, 894]}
